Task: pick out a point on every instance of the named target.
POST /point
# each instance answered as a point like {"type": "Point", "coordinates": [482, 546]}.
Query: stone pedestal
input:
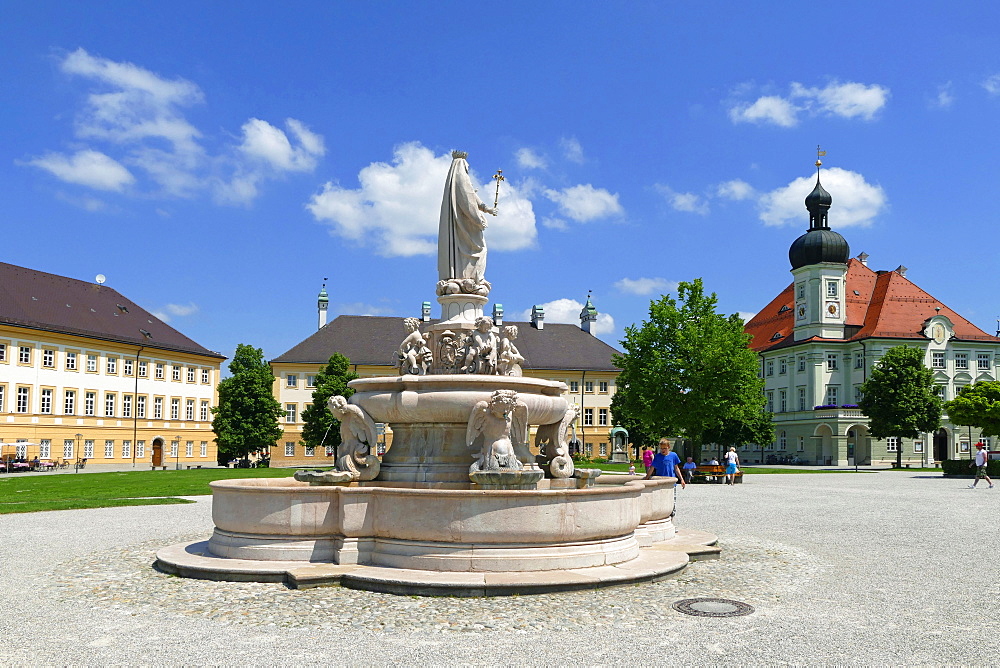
{"type": "Point", "coordinates": [324, 477]}
{"type": "Point", "coordinates": [524, 479]}
{"type": "Point", "coordinates": [457, 309]}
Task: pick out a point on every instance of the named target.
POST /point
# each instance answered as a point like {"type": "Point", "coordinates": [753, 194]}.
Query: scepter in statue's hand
{"type": "Point", "coordinates": [498, 177]}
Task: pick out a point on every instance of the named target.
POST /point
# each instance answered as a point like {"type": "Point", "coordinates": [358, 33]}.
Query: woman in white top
{"type": "Point", "coordinates": [732, 465]}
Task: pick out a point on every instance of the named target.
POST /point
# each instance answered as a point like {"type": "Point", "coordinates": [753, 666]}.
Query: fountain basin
{"type": "Point", "coordinates": [438, 528]}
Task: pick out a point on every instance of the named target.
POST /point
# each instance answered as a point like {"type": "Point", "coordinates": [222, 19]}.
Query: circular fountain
{"type": "Point", "coordinates": [459, 504]}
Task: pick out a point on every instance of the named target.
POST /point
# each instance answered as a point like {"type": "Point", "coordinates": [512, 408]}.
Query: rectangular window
{"type": "Point", "coordinates": [329, 451]}
{"type": "Point", "coordinates": [109, 449]}
{"type": "Point", "coordinates": [782, 441]}
{"type": "Point", "coordinates": [158, 408]}
{"type": "Point", "coordinates": [770, 401]}
{"type": "Point", "coordinates": [92, 363]}
{"type": "Point", "coordinates": [143, 369]}
{"type": "Point", "coordinates": [588, 416]}
{"type": "Point", "coordinates": [45, 449]}
{"type": "Point", "coordinates": [291, 380]}
{"type": "Point", "coordinates": [961, 360]}
{"type": "Point", "coordinates": [24, 355]}
{"type": "Point", "coordinates": [22, 400]}
{"type": "Point", "coordinates": [158, 371]}
{"type": "Point", "coordinates": [112, 366]}
{"type": "Point", "coordinates": [892, 444]}
{"type": "Point", "coordinates": [310, 451]}
{"type": "Point", "coordinates": [127, 405]}
{"type": "Point", "coordinates": [859, 361]}
{"type": "Point", "coordinates": [189, 409]}
{"type": "Point", "coordinates": [937, 360]}
{"type": "Point", "coordinates": [89, 403]}
{"type": "Point", "coordinates": [769, 366]}
{"type": "Point", "coordinates": [3, 352]}
{"type": "Point", "coordinates": [175, 409]}
{"type": "Point", "coordinates": [831, 361]}
{"type": "Point", "coordinates": [205, 376]}
{"type": "Point", "coordinates": [939, 390]}
{"type": "Point", "coordinates": [986, 442]}
{"type": "Point", "coordinates": [574, 386]}
{"type": "Point", "coordinates": [175, 372]}
{"type": "Point", "coordinates": [190, 375]}
{"type": "Point", "coordinates": [109, 404]}
{"type": "Point", "coordinates": [204, 449]}
{"type": "Point", "coordinates": [140, 449]}
{"type": "Point", "coordinates": [858, 394]}
{"type": "Point", "coordinates": [802, 398]}
{"type": "Point", "coordinates": [68, 449]}
{"type": "Point", "coordinates": [46, 406]}
{"type": "Point", "coordinates": [71, 361]}
{"type": "Point", "coordinates": [602, 448]}
{"type": "Point", "coordinates": [129, 367]}
{"type": "Point", "coordinates": [88, 449]}
{"type": "Point", "coordinates": [800, 291]}
{"type": "Point", "coordinates": [140, 407]}
{"type": "Point", "coordinates": [3, 392]}
{"type": "Point", "coordinates": [802, 364]}
{"type": "Point", "coordinates": [48, 358]}
{"type": "Point", "coordinates": [588, 387]}
{"type": "Point", "coordinates": [289, 448]}
{"type": "Point", "coordinates": [174, 448]}
{"type": "Point", "coordinates": [831, 395]}
{"type": "Point", "coordinates": [782, 402]}
{"type": "Point", "coordinates": [126, 449]}
{"type": "Point", "coordinates": [189, 449]}
{"type": "Point", "coordinates": [801, 443]}
{"type": "Point", "coordinates": [290, 411]}
{"type": "Point", "coordinates": [602, 417]}
{"type": "Point", "coordinates": [983, 362]}
{"type": "Point", "coordinates": [602, 387]}
{"type": "Point", "coordinates": [831, 288]}
{"type": "Point", "coordinates": [310, 381]}
{"type": "Point", "coordinates": [203, 413]}
{"type": "Point", "coordinates": [918, 446]}
{"type": "Point", "coordinates": [782, 367]}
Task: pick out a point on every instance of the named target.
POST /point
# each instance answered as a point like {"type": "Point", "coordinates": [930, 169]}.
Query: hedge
{"type": "Point", "coordinates": [959, 468]}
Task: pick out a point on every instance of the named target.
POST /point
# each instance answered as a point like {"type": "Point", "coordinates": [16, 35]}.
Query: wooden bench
{"type": "Point", "coordinates": [193, 466]}
{"type": "Point", "coordinates": [160, 467]}
{"type": "Point", "coordinates": [713, 473]}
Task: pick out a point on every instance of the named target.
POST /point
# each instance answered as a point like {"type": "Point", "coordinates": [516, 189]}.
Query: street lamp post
{"type": "Point", "coordinates": [78, 437]}
{"type": "Point", "coordinates": [177, 453]}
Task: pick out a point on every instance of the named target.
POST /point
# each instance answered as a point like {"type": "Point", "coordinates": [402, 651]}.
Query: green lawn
{"type": "Point", "coordinates": [26, 494]}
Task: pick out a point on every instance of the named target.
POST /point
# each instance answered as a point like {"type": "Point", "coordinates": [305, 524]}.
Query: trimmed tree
{"type": "Point", "coordinates": [246, 419]}
{"type": "Point", "coordinates": [321, 428]}
{"type": "Point", "coordinates": [899, 397]}
{"type": "Point", "coordinates": [977, 406]}
{"type": "Point", "coordinates": [688, 371]}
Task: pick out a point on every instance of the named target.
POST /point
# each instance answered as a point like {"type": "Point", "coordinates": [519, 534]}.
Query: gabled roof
{"type": "Point", "coordinates": [879, 305]}
{"type": "Point", "coordinates": [375, 339]}
{"type": "Point", "coordinates": [37, 300]}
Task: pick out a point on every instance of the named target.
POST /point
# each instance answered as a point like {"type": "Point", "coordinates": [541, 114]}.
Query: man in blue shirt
{"type": "Point", "coordinates": [666, 464]}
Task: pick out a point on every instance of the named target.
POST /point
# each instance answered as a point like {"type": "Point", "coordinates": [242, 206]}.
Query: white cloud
{"type": "Point", "coordinates": [567, 311]}
{"type": "Point", "coordinates": [686, 202]}
{"type": "Point", "coordinates": [88, 168]}
{"type": "Point", "coordinates": [992, 84]}
{"type": "Point", "coordinates": [584, 203]}
{"type": "Point", "coordinates": [572, 150]}
{"type": "Point", "coordinates": [855, 201]}
{"type": "Point", "coordinates": [746, 315]}
{"type": "Point", "coordinates": [846, 100]}
{"type": "Point", "coordinates": [736, 189]}
{"type": "Point", "coordinates": [361, 308]}
{"type": "Point", "coordinates": [176, 310]}
{"type": "Point", "coordinates": [397, 206]}
{"type": "Point", "coordinates": [139, 118]}
{"type": "Point", "coordinates": [945, 98]}
{"type": "Point", "coordinates": [646, 286]}
{"type": "Point", "coordinates": [529, 159]}
{"type": "Point", "coordinates": [263, 141]}
{"type": "Point", "coordinates": [768, 109]}
{"type": "Point", "coordinates": [555, 224]}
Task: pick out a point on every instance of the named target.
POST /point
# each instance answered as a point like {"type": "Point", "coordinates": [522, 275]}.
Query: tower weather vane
{"type": "Point", "coordinates": [498, 177]}
{"type": "Point", "coordinates": [819, 154]}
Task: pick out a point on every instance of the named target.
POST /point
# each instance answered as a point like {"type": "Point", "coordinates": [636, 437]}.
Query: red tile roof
{"type": "Point", "coordinates": [37, 300]}
{"type": "Point", "coordinates": [887, 305]}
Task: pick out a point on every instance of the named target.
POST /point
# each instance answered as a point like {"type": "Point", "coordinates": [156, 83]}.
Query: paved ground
{"type": "Point", "coordinates": [875, 568]}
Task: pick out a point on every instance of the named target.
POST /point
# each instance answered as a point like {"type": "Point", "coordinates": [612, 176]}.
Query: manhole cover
{"type": "Point", "coordinates": [713, 607]}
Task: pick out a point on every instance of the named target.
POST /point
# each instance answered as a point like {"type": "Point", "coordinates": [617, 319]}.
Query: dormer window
{"type": "Point", "coordinates": [784, 308]}
{"type": "Point", "coordinates": [776, 336]}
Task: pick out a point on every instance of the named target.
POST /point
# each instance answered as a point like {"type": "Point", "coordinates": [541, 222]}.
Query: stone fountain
{"type": "Point", "coordinates": [459, 504]}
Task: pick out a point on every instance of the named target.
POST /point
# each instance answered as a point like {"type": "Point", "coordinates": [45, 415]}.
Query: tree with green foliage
{"type": "Point", "coordinates": [899, 397]}
{"type": "Point", "coordinates": [321, 428]}
{"type": "Point", "coordinates": [246, 419]}
{"type": "Point", "coordinates": [977, 406]}
{"type": "Point", "coordinates": [688, 371]}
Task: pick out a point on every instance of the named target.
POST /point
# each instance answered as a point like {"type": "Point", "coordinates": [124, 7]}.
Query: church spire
{"type": "Point", "coordinates": [819, 200]}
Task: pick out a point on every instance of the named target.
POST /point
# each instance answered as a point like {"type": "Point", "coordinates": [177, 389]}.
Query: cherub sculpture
{"type": "Point", "coordinates": [357, 435]}
{"type": "Point", "coordinates": [553, 442]}
{"type": "Point", "coordinates": [414, 355]}
{"type": "Point", "coordinates": [481, 349]}
{"type": "Point", "coordinates": [508, 359]}
{"type": "Point", "coordinates": [503, 423]}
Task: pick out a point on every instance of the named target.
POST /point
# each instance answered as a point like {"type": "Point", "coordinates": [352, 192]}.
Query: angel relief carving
{"type": "Point", "coordinates": [503, 424]}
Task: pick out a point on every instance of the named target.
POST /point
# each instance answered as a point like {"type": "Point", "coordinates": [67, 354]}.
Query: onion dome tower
{"type": "Point", "coordinates": [819, 264]}
{"type": "Point", "coordinates": [322, 304]}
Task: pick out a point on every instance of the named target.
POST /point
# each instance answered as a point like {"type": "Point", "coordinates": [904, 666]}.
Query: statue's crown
{"type": "Point", "coordinates": [460, 154]}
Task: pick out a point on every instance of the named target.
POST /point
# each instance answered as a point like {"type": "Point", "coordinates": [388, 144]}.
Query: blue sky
{"type": "Point", "coordinates": [217, 160]}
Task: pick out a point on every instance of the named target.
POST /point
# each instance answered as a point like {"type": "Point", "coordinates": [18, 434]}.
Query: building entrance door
{"type": "Point", "coordinates": [941, 445]}
{"type": "Point", "coordinates": [158, 452]}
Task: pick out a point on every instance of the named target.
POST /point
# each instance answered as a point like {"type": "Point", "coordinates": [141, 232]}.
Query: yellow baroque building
{"type": "Point", "coordinates": [562, 352]}
{"type": "Point", "coordinates": [85, 373]}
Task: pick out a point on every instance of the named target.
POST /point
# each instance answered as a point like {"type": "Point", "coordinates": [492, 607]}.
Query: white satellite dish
{"type": "Point", "coordinates": [100, 279]}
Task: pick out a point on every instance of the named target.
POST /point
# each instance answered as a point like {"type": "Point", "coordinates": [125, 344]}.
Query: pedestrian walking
{"type": "Point", "coordinates": [732, 465]}
{"type": "Point", "coordinates": [982, 458]}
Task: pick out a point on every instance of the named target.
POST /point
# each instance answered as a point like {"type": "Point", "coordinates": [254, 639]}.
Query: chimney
{"type": "Point", "coordinates": [537, 317]}
{"type": "Point", "coordinates": [863, 258]}
{"type": "Point", "coordinates": [425, 312]}
{"type": "Point", "coordinates": [498, 315]}
{"type": "Point", "coordinates": [322, 303]}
